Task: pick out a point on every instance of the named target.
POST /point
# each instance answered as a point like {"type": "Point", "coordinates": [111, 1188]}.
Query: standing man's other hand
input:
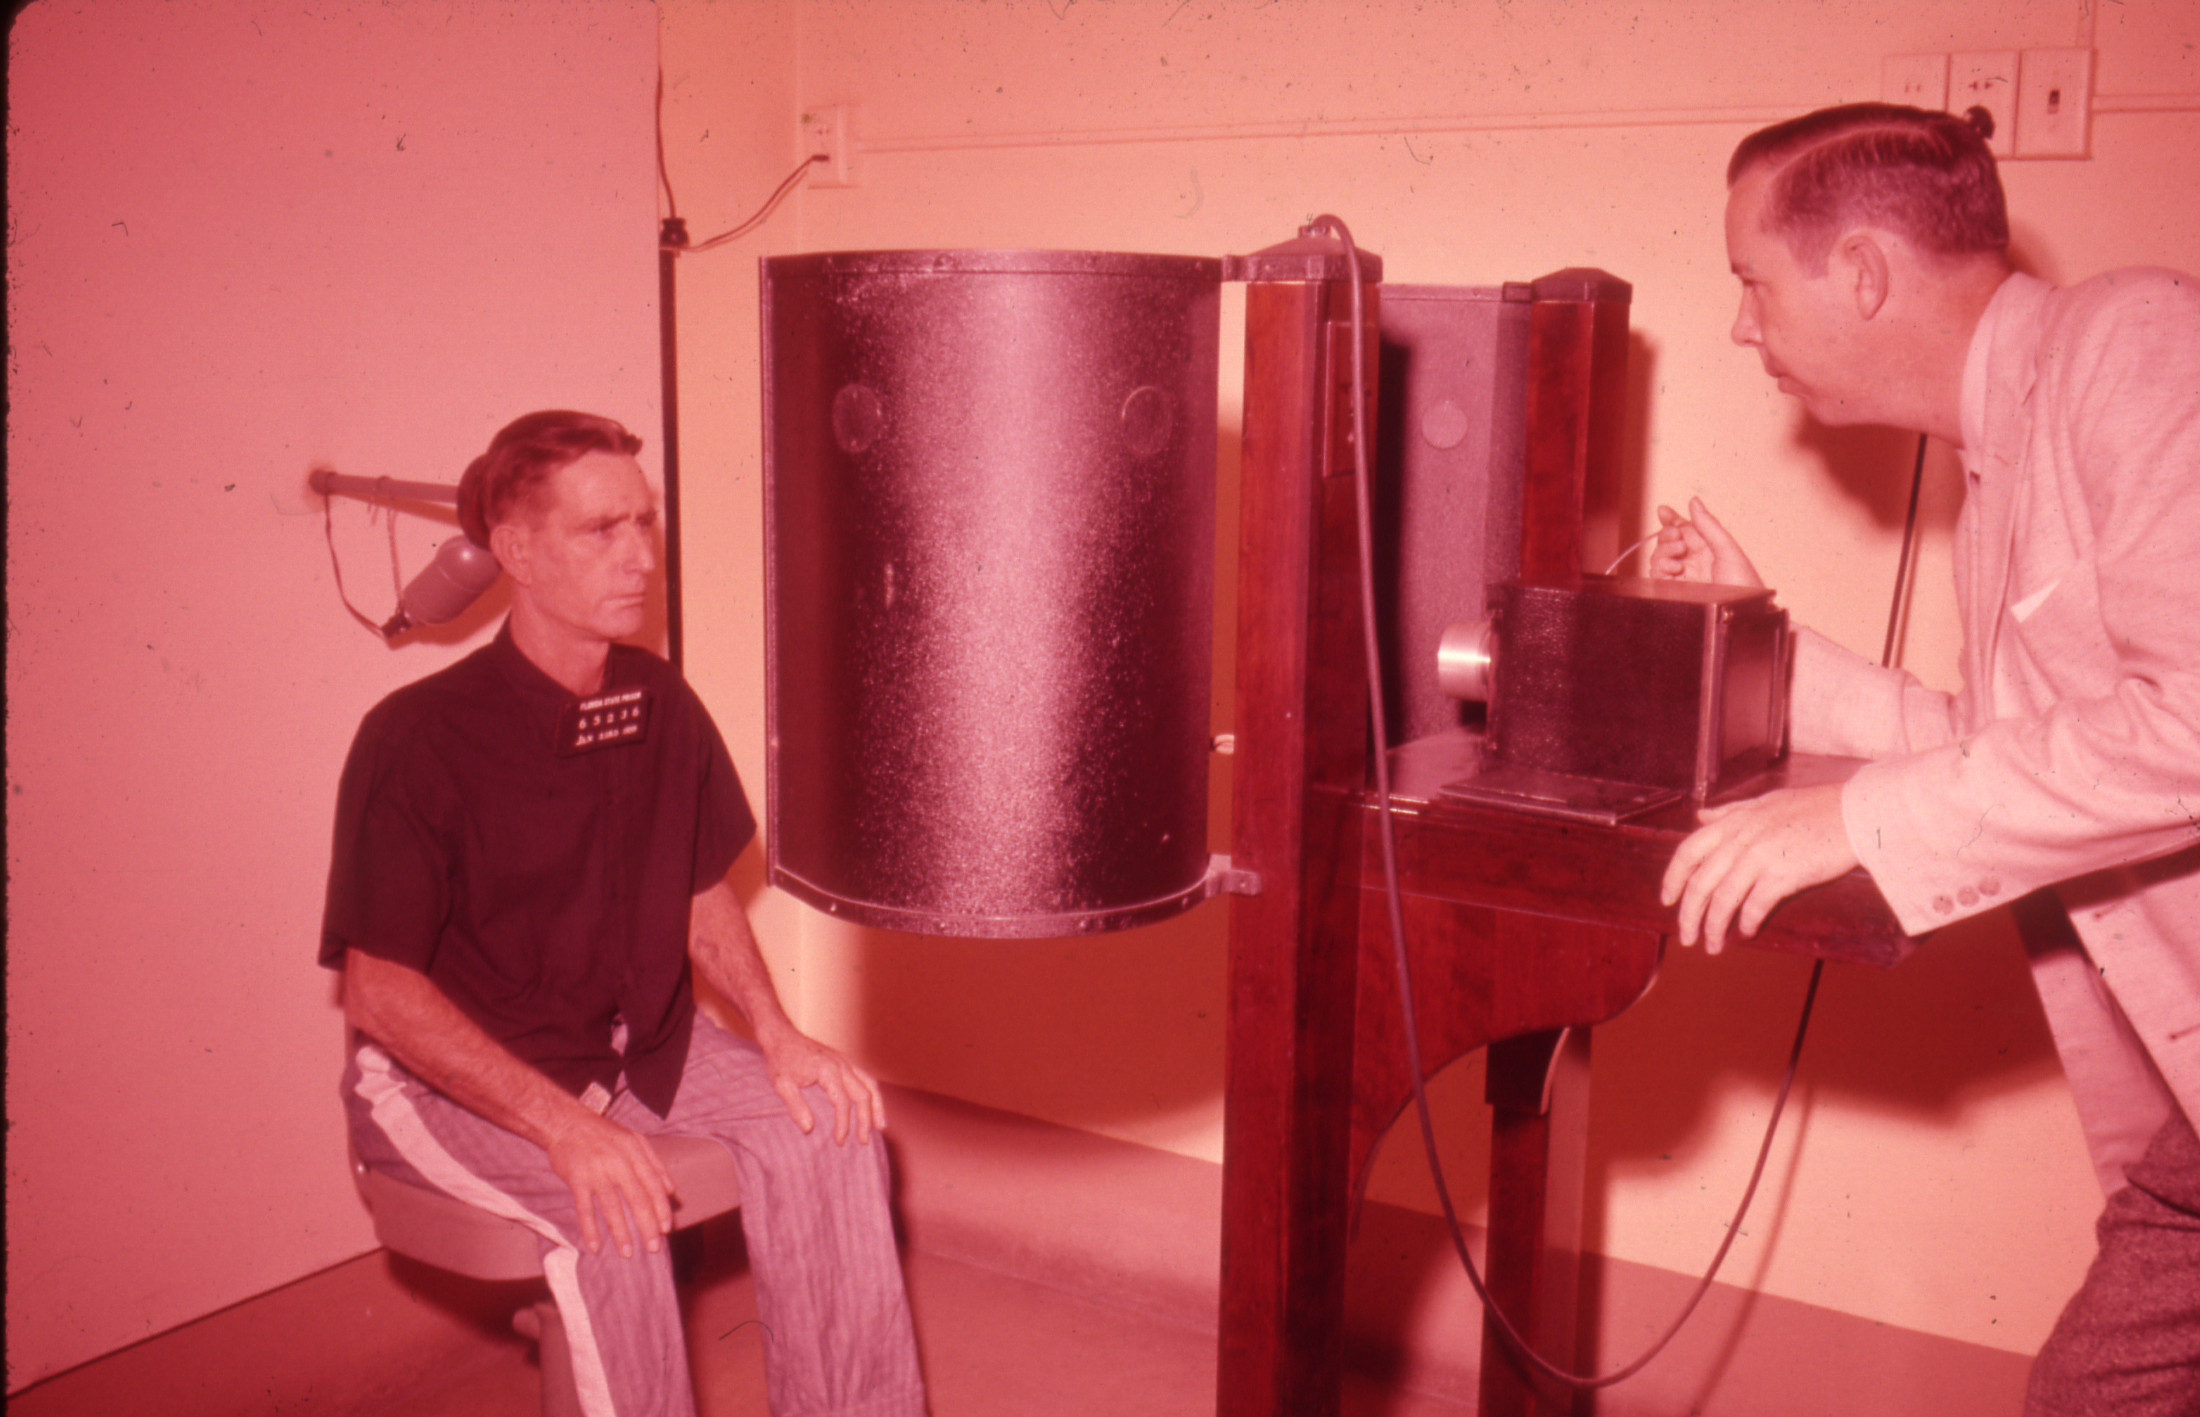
{"type": "Point", "coordinates": [1697, 548]}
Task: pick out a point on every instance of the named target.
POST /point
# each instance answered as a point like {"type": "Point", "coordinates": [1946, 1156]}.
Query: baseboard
{"type": "Point", "coordinates": [1141, 1228]}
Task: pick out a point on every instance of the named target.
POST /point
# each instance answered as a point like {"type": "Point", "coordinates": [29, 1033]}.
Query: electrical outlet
{"type": "Point", "coordinates": [826, 130]}
{"type": "Point", "coordinates": [1988, 81]}
{"type": "Point", "coordinates": [2054, 102]}
{"type": "Point", "coordinates": [1919, 80]}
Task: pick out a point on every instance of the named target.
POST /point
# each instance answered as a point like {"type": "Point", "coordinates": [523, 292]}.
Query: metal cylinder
{"type": "Point", "coordinates": [1463, 660]}
{"type": "Point", "coordinates": [989, 512]}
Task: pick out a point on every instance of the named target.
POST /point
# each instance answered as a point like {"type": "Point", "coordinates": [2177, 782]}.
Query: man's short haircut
{"type": "Point", "coordinates": [1926, 176]}
{"type": "Point", "coordinates": [522, 457]}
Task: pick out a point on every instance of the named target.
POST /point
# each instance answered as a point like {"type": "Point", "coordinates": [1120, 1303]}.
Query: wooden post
{"type": "Point", "coordinates": [1301, 771]}
{"type": "Point", "coordinates": [1576, 414]}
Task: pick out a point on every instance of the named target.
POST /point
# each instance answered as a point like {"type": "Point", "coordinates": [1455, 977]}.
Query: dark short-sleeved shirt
{"type": "Point", "coordinates": [537, 864]}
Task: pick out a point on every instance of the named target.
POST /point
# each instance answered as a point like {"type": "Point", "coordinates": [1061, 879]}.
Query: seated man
{"type": "Point", "coordinates": [1871, 246]}
{"type": "Point", "coordinates": [531, 854]}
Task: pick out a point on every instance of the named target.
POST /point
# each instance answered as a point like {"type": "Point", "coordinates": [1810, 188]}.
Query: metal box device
{"type": "Point", "coordinates": [1618, 694]}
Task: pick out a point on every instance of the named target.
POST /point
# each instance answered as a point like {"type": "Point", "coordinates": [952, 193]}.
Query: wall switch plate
{"type": "Point", "coordinates": [1919, 80]}
{"type": "Point", "coordinates": [1989, 81]}
{"type": "Point", "coordinates": [2054, 102]}
{"type": "Point", "coordinates": [826, 130]}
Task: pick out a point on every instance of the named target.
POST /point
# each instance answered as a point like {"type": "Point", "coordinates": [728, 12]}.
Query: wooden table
{"type": "Point", "coordinates": [1522, 933]}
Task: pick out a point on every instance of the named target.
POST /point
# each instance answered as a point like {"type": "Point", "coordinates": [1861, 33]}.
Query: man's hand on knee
{"type": "Point", "coordinates": [794, 1061]}
{"type": "Point", "coordinates": [613, 1167]}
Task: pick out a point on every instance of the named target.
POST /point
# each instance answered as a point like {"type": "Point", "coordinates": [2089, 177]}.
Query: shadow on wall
{"type": "Point", "coordinates": [1926, 1041]}
{"type": "Point", "coordinates": [1872, 467]}
{"type": "Point", "coordinates": [1629, 506]}
{"type": "Point", "coordinates": [1118, 1033]}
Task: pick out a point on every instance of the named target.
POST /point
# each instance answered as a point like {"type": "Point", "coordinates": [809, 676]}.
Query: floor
{"type": "Point", "coordinates": [993, 1346]}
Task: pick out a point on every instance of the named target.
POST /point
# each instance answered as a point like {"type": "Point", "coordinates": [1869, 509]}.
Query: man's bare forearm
{"type": "Point", "coordinates": [601, 1161]}
{"type": "Point", "coordinates": [401, 1009]}
{"type": "Point", "coordinates": [725, 953]}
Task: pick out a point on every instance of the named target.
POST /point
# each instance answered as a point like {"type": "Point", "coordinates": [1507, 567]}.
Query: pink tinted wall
{"type": "Point", "coordinates": [245, 239]}
{"type": "Point", "coordinates": [1932, 1176]}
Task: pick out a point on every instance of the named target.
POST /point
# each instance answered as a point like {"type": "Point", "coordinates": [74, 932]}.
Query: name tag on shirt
{"type": "Point", "coordinates": [606, 721]}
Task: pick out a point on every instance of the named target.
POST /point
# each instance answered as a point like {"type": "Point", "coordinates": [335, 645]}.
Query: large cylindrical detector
{"type": "Point", "coordinates": [989, 513]}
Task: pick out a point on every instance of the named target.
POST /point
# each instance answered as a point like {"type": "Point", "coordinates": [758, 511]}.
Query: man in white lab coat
{"type": "Point", "coordinates": [1871, 246]}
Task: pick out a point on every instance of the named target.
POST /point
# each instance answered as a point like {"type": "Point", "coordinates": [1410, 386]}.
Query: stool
{"type": "Point", "coordinates": [434, 1229]}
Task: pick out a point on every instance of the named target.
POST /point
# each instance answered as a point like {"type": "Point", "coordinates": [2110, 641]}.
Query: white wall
{"type": "Point", "coordinates": [244, 239]}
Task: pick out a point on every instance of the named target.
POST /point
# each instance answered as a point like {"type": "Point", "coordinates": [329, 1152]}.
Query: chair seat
{"type": "Point", "coordinates": [433, 1228]}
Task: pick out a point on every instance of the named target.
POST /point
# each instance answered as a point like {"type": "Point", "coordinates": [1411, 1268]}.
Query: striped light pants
{"type": "Point", "coordinates": [829, 1292]}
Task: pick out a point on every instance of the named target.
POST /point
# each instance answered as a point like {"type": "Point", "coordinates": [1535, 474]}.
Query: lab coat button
{"type": "Point", "coordinates": [1943, 906]}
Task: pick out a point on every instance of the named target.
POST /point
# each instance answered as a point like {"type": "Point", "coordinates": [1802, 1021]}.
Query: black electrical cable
{"type": "Point", "coordinates": [668, 382]}
{"type": "Point", "coordinates": [1902, 562]}
{"type": "Point", "coordinates": [1393, 898]}
{"type": "Point", "coordinates": [674, 231]}
{"type": "Point", "coordinates": [664, 173]}
{"type": "Point", "coordinates": [771, 203]}
{"type": "Point", "coordinates": [671, 245]}
{"type": "Point", "coordinates": [672, 242]}
{"type": "Point", "coordinates": [381, 505]}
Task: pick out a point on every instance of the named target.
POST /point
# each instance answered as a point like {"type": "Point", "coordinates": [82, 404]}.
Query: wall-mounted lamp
{"type": "Point", "coordinates": [443, 589]}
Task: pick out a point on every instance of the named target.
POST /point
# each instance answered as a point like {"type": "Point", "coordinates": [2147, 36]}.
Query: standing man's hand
{"type": "Point", "coordinates": [1749, 856]}
{"type": "Point", "coordinates": [793, 1060]}
{"type": "Point", "coordinates": [614, 1168]}
{"type": "Point", "coordinates": [1697, 548]}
